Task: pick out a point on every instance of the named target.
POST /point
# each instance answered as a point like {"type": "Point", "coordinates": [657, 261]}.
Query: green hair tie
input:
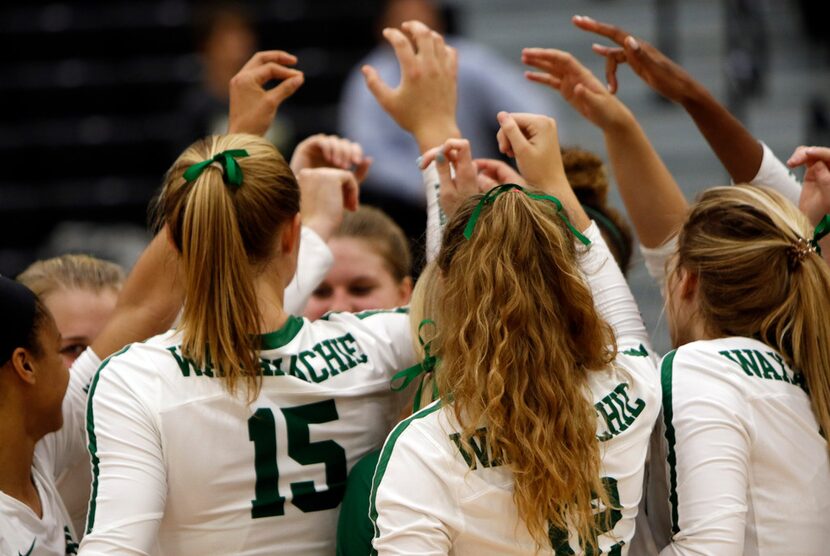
{"type": "Point", "coordinates": [491, 196]}
{"type": "Point", "coordinates": [822, 229]}
{"type": "Point", "coordinates": [231, 171]}
{"type": "Point", "coordinates": [419, 370]}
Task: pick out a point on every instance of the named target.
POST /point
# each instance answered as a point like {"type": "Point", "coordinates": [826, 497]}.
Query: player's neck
{"type": "Point", "coordinates": [270, 294]}
{"type": "Point", "coordinates": [17, 448]}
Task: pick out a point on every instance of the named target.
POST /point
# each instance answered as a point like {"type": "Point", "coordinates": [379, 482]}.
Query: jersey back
{"type": "Point", "coordinates": [221, 476]}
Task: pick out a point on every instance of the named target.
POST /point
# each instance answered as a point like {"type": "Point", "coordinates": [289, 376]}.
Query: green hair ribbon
{"type": "Point", "coordinates": [231, 171]}
{"type": "Point", "coordinates": [822, 229]}
{"type": "Point", "coordinates": [491, 196]}
{"type": "Point", "coordinates": [420, 370]}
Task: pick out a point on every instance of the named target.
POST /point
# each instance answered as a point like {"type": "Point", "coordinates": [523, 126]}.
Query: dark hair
{"type": "Point", "coordinates": [587, 176]}
{"type": "Point", "coordinates": [41, 318]}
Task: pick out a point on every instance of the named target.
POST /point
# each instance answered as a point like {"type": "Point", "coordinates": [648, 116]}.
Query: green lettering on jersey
{"type": "Point", "coordinates": [330, 355]}
{"type": "Point", "coordinates": [349, 344]}
{"type": "Point", "coordinates": [481, 450]}
{"type": "Point", "coordinates": [760, 367]}
{"type": "Point", "coordinates": [305, 356]}
{"type": "Point", "coordinates": [185, 365]}
{"type": "Point", "coordinates": [748, 363]}
{"type": "Point", "coordinates": [293, 370]}
{"type": "Point", "coordinates": [617, 411]}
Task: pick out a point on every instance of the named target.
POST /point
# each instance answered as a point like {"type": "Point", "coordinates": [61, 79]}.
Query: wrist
{"type": "Point", "coordinates": [323, 227]}
{"type": "Point", "coordinates": [430, 136]}
{"type": "Point", "coordinates": [694, 95]}
{"type": "Point", "coordinates": [622, 122]}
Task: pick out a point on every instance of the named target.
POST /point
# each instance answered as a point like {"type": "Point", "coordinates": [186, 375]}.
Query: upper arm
{"type": "Point", "coordinates": [708, 437]}
{"type": "Point", "coordinates": [313, 263]}
{"type": "Point", "coordinates": [612, 296]}
{"type": "Point", "coordinates": [412, 505]}
{"type": "Point", "coordinates": [129, 484]}
{"type": "Point", "coordinates": [775, 175]}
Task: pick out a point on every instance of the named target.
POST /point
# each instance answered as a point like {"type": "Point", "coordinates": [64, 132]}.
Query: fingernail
{"type": "Point", "coordinates": [632, 42]}
{"type": "Point", "coordinates": [586, 18]}
{"type": "Point", "coordinates": [419, 161]}
{"type": "Point", "coordinates": [610, 88]}
{"type": "Point", "coordinates": [440, 158]}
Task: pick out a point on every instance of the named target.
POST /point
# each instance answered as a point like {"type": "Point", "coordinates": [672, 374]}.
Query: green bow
{"type": "Point", "coordinates": [420, 370]}
{"type": "Point", "coordinates": [231, 171]}
{"type": "Point", "coordinates": [822, 229]}
{"type": "Point", "coordinates": [491, 196]}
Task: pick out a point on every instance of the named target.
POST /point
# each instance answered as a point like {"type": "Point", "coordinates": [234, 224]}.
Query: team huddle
{"type": "Point", "coordinates": [224, 399]}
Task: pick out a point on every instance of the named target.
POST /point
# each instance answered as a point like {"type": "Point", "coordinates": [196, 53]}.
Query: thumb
{"type": "Point", "coordinates": [285, 89]}
{"type": "Point", "coordinates": [512, 132]}
{"type": "Point", "coordinates": [380, 90]}
{"type": "Point", "coordinates": [635, 54]}
{"type": "Point", "coordinates": [351, 192]}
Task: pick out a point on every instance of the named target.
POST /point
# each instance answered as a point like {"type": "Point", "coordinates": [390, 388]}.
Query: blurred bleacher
{"type": "Point", "coordinates": [92, 90]}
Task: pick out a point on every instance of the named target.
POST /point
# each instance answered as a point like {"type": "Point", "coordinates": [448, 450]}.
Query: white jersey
{"type": "Point", "coordinates": [21, 530]}
{"type": "Point", "coordinates": [747, 466]}
{"type": "Point", "coordinates": [182, 467]}
{"type": "Point", "coordinates": [431, 496]}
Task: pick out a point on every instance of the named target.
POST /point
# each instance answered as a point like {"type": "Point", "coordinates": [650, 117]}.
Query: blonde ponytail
{"type": "Point", "coordinates": [225, 235]}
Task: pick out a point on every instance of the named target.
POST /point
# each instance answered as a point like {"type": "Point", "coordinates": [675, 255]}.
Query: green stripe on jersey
{"type": "Point", "coordinates": [93, 441]}
{"type": "Point", "coordinates": [671, 457]}
{"type": "Point", "coordinates": [279, 338]}
{"type": "Point", "coordinates": [386, 454]}
{"type": "Point", "coordinates": [366, 314]}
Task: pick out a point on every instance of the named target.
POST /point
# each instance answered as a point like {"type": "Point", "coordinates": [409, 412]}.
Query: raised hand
{"type": "Point", "coordinates": [252, 108]}
{"type": "Point", "coordinates": [562, 72]}
{"type": "Point", "coordinates": [492, 172]}
{"type": "Point", "coordinates": [325, 193]}
{"type": "Point", "coordinates": [815, 193]}
{"type": "Point", "coordinates": [330, 151]}
{"type": "Point", "coordinates": [651, 65]}
{"type": "Point", "coordinates": [464, 183]}
{"type": "Point", "coordinates": [533, 141]}
{"type": "Point", "coordinates": [424, 102]}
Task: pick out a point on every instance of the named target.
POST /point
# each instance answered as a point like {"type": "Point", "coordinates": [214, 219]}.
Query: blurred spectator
{"type": "Point", "coordinates": [225, 38]}
{"type": "Point", "coordinates": [486, 85]}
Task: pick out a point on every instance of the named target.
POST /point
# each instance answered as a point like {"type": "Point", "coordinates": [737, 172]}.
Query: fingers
{"type": "Point", "coordinates": [544, 79]}
{"type": "Point", "coordinates": [285, 89]}
{"type": "Point", "coordinates": [402, 46]}
{"type": "Point", "coordinates": [498, 170]}
{"type": "Point", "coordinates": [610, 31]}
{"type": "Point", "coordinates": [266, 56]}
{"type": "Point", "coordinates": [269, 71]}
{"type": "Point", "coordinates": [380, 90]}
{"type": "Point", "coordinates": [510, 137]}
{"type": "Point", "coordinates": [458, 152]}
{"type": "Point", "coordinates": [611, 74]}
{"type": "Point", "coordinates": [361, 170]}
{"type": "Point", "coordinates": [422, 37]}
{"type": "Point", "coordinates": [808, 155]}
{"type": "Point", "coordinates": [430, 156]}
{"type": "Point", "coordinates": [351, 191]}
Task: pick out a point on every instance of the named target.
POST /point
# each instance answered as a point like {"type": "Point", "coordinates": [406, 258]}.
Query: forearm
{"type": "Point", "coordinates": [652, 198]}
{"type": "Point", "coordinates": [435, 134]}
{"type": "Point", "coordinates": [737, 149]}
{"type": "Point", "coordinates": [148, 303]}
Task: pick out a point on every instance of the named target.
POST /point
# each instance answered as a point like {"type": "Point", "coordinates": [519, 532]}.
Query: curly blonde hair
{"type": "Point", "coordinates": [518, 338]}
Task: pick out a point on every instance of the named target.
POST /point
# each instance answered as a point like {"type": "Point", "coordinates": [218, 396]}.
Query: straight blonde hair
{"type": "Point", "coordinates": [226, 235]}
{"type": "Point", "coordinates": [81, 272]}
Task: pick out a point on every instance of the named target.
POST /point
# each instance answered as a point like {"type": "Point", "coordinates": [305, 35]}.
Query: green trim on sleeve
{"type": "Point", "coordinates": [93, 440]}
{"type": "Point", "coordinates": [671, 457]}
{"type": "Point", "coordinates": [386, 454]}
{"type": "Point", "coordinates": [278, 338]}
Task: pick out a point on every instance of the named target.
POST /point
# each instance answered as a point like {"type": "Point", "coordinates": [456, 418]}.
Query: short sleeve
{"type": "Point", "coordinates": [775, 175]}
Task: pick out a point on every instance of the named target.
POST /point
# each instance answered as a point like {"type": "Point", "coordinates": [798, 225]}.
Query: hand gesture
{"type": "Point", "coordinates": [533, 141]}
{"type": "Point", "coordinates": [425, 100]}
{"type": "Point", "coordinates": [815, 195]}
{"type": "Point", "coordinates": [651, 65]}
{"type": "Point", "coordinates": [330, 151]}
{"type": "Point", "coordinates": [578, 86]}
{"type": "Point", "coordinates": [455, 189]}
{"type": "Point", "coordinates": [324, 194]}
{"type": "Point", "coordinates": [252, 108]}
{"type": "Point", "coordinates": [492, 172]}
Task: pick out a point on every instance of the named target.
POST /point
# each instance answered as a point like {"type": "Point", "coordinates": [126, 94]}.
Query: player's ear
{"type": "Point", "coordinates": [687, 284]}
{"type": "Point", "coordinates": [23, 365]}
